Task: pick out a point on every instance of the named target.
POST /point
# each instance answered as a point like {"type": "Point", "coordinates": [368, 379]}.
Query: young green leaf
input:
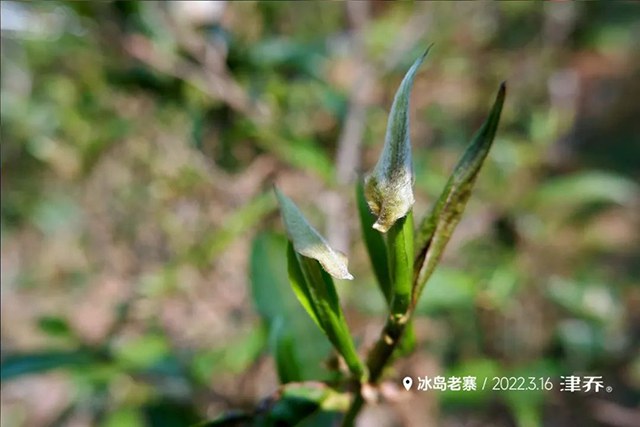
{"type": "Point", "coordinates": [34, 363]}
{"type": "Point", "coordinates": [278, 306]}
{"type": "Point", "coordinates": [310, 263]}
{"type": "Point", "coordinates": [299, 404]}
{"type": "Point", "coordinates": [324, 299]}
{"type": "Point", "coordinates": [389, 187]}
{"type": "Point", "coordinates": [284, 352]}
{"type": "Point", "coordinates": [436, 229]}
{"type": "Point", "coordinates": [308, 242]}
{"type": "Point", "coordinates": [299, 285]}
{"type": "Point", "coordinates": [374, 242]}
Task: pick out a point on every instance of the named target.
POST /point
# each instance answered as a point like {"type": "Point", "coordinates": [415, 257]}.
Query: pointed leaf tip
{"type": "Point", "coordinates": [308, 242]}
{"type": "Point", "coordinates": [389, 187]}
{"type": "Point", "coordinates": [437, 227]}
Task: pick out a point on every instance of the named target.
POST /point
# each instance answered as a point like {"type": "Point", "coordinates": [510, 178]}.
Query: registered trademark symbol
{"type": "Point", "coordinates": [609, 389]}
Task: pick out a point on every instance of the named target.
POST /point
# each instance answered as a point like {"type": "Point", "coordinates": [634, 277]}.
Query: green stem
{"type": "Point", "coordinates": [408, 342]}
{"type": "Point", "coordinates": [400, 250]}
{"type": "Point", "coordinates": [378, 359]}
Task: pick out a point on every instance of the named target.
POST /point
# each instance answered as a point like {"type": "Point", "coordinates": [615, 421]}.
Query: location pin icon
{"type": "Point", "coordinates": [407, 381]}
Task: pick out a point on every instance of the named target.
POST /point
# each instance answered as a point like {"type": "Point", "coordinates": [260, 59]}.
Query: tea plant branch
{"type": "Point", "coordinates": [432, 237]}
{"type": "Point", "coordinates": [436, 230]}
{"type": "Point", "coordinates": [388, 192]}
{"type": "Point", "coordinates": [385, 206]}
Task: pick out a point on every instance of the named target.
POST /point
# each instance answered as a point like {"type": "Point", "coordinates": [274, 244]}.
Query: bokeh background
{"type": "Point", "coordinates": [143, 269]}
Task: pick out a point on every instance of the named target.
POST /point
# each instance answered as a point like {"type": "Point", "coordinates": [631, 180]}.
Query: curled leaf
{"type": "Point", "coordinates": [308, 242]}
{"type": "Point", "coordinates": [316, 292]}
{"type": "Point", "coordinates": [389, 187]}
{"type": "Point", "coordinates": [436, 229]}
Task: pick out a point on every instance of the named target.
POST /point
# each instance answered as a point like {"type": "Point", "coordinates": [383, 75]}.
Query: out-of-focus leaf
{"type": "Point", "coordinates": [322, 419]}
{"type": "Point", "coordinates": [302, 404]}
{"type": "Point", "coordinates": [400, 242]}
{"type": "Point", "coordinates": [269, 279]}
{"type": "Point", "coordinates": [233, 357]}
{"type": "Point", "coordinates": [283, 347]}
{"type": "Point", "coordinates": [374, 242]}
{"type": "Point", "coordinates": [305, 58]}
{"type": "Point", "coordinates": [592, 301]}
{"type": "Point", "coordinates": [171, 414]}
{"type": "Point", "coordinates": [25, 364]}
{"type": "Point", "coordinates": [587, 187]}
{"type": "Point", "coordinates": [55, 326]}
{"type": "Point", "coordinates": [230, 419]}
{"type": "Point", "coordinates": [56, 213]}
{"type": "Point", "coordinates": [308, 242]}
{"type": "Point", "coordinates": [502, 285]}
{"type": "Point", "coordinates": [291, 410]}
{"type": "Point", "coordinates": [436, 229]}
{"type": "Point", "coordinates": [238, 223]}
{"type": "Point", "coordinates": [584, 342]}
{"type": "Point", "coordinates": [526, 412]}
{"type": "Point", "coordinates": [302, 153]}
{"type": "Point", "coordinates": [128, 417]}
{"type": "Point", "coordinates": [389, 187]}
{"type": "Point", "coordinates": [240, 354]}
{"type": "Point", "coordinates": [448, 289]}
{"type": "Point", "coordinates": [142, 352]}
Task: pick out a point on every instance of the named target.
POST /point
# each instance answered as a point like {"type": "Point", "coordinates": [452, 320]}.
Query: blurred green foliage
{"type": "Point", "coordinates": [299, 346]}
{"type": "Point", "coordinates": [139, 144]}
